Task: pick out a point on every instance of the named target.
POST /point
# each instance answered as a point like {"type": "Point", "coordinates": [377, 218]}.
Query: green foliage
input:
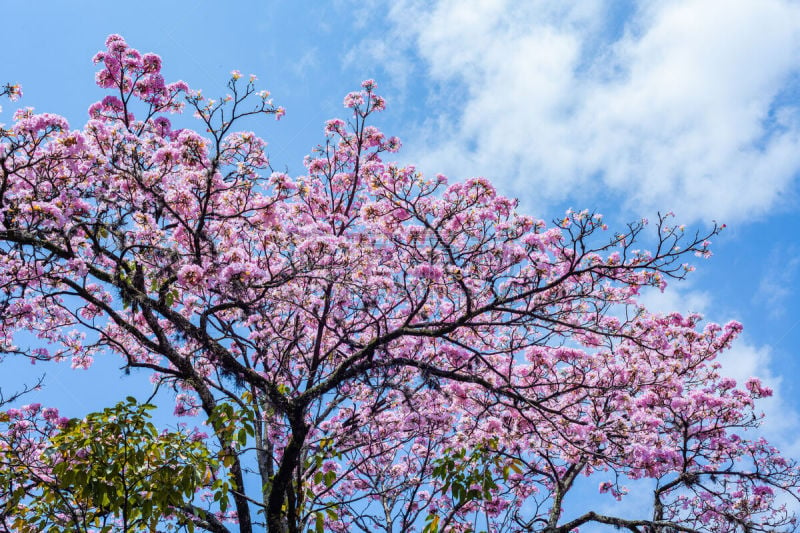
{"type": "Point", "coordinates": [232, 425]}
{"type": "Point", "coordinates": [114, 471]}
{"type": "Point", "coordinates": [470, 476]}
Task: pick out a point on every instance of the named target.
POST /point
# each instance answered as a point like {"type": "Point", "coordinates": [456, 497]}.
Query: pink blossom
{"type": "Point", "coordinates": [354, 100]}
{"type": "Point", "coordinates": [757, 390]}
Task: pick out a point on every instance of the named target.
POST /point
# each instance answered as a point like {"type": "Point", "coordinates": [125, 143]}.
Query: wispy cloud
{"type": "Point", "coordinates": [306, 63]}
{"type": "Point", "coordinates": [675, 105]}
{"type": "Point", "coordinates": [779, 280]}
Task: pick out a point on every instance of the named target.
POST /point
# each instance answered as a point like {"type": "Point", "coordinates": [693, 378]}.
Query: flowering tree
{"type": "Point", "coordinates": [369, 349]}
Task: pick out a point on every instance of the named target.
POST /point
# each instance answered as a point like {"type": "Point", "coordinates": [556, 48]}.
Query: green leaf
{"type": "Point", "coordinates": [117, 459]}
{"type": "Point", "coordinates": [432, 525]}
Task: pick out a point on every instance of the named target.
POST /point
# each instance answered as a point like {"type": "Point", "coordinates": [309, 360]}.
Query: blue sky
{"type": "Point", "coordinates": [626, 108]}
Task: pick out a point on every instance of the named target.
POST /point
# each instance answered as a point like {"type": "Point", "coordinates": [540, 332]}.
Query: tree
{"type": "Point", "coordinates": [370, 349]}
{"type": "Point", "coordinates": [112, 469]}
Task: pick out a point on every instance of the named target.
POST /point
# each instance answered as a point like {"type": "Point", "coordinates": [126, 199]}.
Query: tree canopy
{"type": "Point", "coordinates": [370, 349]}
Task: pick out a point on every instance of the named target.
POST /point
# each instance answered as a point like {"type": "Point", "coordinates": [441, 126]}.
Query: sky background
{"type": "Point", "coordinates": [624, 108]}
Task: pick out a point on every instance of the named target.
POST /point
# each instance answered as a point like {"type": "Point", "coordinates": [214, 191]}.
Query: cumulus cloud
{"type": "Point", "coordinates": [681, 105]}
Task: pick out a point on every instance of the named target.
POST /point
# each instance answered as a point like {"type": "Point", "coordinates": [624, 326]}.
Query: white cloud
{"type": "Point", "coordinates": [678, 296]}
{"type": "Point", "coordinates": [682, 110]}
